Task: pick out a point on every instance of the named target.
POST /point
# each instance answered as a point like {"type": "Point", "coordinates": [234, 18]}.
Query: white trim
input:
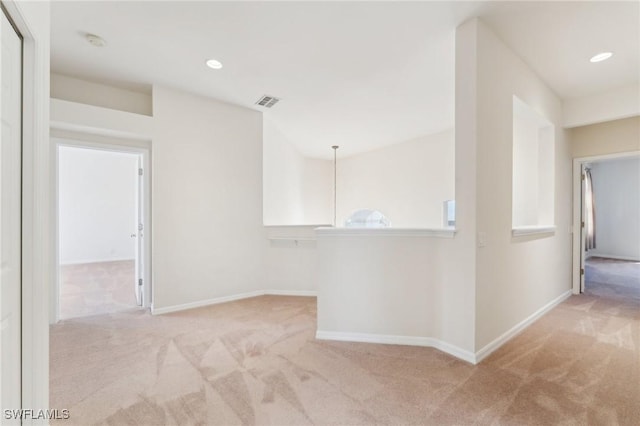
{"type": "Point", "coordinates": [291, 239]}
{"type": "Point", "coordinates": [533, 230]}
{"type": "Point", "coordinates": [292, 232]}
{"type": "Point", "coordinates": [231, 298]}
{"type": "Point", "coordinates": [37, 234]}
{"type": "Point", "coordinates": [386, 232]}
{"type": "Point", "coordinates": [302, 293]}
{"type": "Point", "coordinates": [386, 339]}
{"type": "Point", "coordinates": [206, 302]}
{"type": "Point", "coordinates": [442, 345]}
{"type": "Point", "coordinates": [611, 256]}
{"type": "Point", "coordinates": [578, 253]}
{"type": "Point", "coordinates": [518, 328]}
{"type": "Point", "coordinates": [319, 225]}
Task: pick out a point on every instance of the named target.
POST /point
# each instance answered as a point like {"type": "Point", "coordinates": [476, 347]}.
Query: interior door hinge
{"type": "Point", "coordinates": [581, 271]}
{"type": "Point", "coordinates": [582, 224]}
{"type": "Point", "coordinates": [139, 282]}
{"type": "Point", "coordinates": [140, 172]}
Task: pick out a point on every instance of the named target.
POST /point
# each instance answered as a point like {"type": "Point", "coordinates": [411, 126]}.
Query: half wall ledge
{"type": "Point", "coordinates": [386, 232]}
{"type": "Point", "coordinates": [533, 230]}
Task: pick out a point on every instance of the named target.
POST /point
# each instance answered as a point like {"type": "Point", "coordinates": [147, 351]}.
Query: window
{"type": "Point", "coordinates": [367, 218]}
{"type": "Point", "coordinates": [449, 214]}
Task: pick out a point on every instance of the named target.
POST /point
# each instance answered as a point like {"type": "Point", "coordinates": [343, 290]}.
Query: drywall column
{"type": "Point", "coordinates": [517, 278]}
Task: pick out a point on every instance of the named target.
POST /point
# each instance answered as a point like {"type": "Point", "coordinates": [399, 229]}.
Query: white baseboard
{"type": "Point", "coordinates": [442, 345]}
{"type": "Point", "coordinates": [306, 293]}
{"type": "Point", "coordinates": [231, 298]}
{"type": "Point", "coordinates": [398, 340]}
{"type": "Point", "coordinates": [518, 328]}
{"type": "Point", "coordinates": [613, 256]}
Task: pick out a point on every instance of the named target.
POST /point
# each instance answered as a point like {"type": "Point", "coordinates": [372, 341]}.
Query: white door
{"type": "Point", "coordinates": [10, 211]}
{"type": "Point", "coordinates": [139, 283]}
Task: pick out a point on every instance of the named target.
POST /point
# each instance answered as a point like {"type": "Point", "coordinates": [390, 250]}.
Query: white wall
{"type": "Point", "coordinates": [616, 187]}
{"type": "Point", "coordinates": [408, 182]}
{"type": "Point", "coordinates": [533, 164]}
{"type": "Point", "coordinates": [615, 104]}
{"type": "Point", "coordinates": [317, 190]}
{"type": "Point", "coordinates": [396, 289]}
{"type": "Point", "coordinates": [515, 277]}
{"type": "Point", "coordinates": [208, 238]}
{"type": "Point", "coordinates": [101, 95]}
{"type": "Point", "coordinates": [97, 205]}
{"type": "Point", "coordinates": [290, 259]}
{"type": "Point", "coordinates": [297, 190]}
{"type": "Point", "coordinates": [94, 120]}
{"type": "Point", "coordinates": [282, 182]}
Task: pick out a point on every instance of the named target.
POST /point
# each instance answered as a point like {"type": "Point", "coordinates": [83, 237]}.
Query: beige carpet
{"type": "Point", "coordinates": [97, 288]}
{"type": "Point", "coordinates": [605, 277]}
{"type": "Point", "coordinates": [256, 362]}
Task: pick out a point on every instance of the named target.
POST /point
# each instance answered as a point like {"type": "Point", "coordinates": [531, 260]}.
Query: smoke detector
{"type": "Point", "coordinates": [267, 101]}
{"type": "Point", "coordinates": [95, 40]}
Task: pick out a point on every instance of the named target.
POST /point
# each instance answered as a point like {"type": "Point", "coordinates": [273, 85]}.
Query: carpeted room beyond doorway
{"type": "Point", "coordinates": [256, 361]}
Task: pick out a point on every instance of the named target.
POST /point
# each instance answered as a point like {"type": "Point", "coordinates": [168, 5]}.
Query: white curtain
{"type": "Point", "coordinates": [590, 212]}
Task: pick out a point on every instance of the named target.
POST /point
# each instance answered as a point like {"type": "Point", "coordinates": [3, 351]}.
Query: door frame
{"type": "Point", "coordinates": [111, 144]}
{"type": "Point", "coordinates": [13, 395]}
{"type": "Point", "coordinates": [32, 22]}
{"type": "Point", "coordinates": [578, 205]}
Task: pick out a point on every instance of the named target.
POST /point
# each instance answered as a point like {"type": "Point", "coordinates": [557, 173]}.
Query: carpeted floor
{"type": "Point", "coordinates": [256, 361]}
{"type": "Point", "coordinates": [610, 277]}
{"type": "Point", "coordinates": [97, 288]}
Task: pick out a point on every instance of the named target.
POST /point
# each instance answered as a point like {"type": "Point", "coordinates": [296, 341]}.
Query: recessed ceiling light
{"type": "Point", "coordinates": [95, 40]}
{"type": "Point", "coordinates": [601, 57]}
{"type": "Point", "coordinates": [212, 63]}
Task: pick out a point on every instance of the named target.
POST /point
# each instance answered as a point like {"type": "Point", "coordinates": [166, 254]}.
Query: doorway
{"type": "Point", "coordinates": [607, 231]}
{"type": "Point", "coordinates": [103, 207]}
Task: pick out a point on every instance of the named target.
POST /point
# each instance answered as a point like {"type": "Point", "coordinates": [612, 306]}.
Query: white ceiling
{"type": "Point", "coordinates": [360, 74]}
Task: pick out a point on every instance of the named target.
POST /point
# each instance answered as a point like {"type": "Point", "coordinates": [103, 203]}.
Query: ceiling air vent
{"type": "Point", "coordinates": [267, 101]}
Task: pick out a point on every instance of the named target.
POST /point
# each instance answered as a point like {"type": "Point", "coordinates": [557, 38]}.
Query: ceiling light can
{"type": "Point", "coordinates": [95, 40]}
{"type": "Point", "coordinates": [214, 64]}
{"type": "Point", "coordinates": [602, 56]}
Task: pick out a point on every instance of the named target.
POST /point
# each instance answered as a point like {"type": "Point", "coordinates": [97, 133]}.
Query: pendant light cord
{"type": "Point", "coordinates": [335, 183]}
